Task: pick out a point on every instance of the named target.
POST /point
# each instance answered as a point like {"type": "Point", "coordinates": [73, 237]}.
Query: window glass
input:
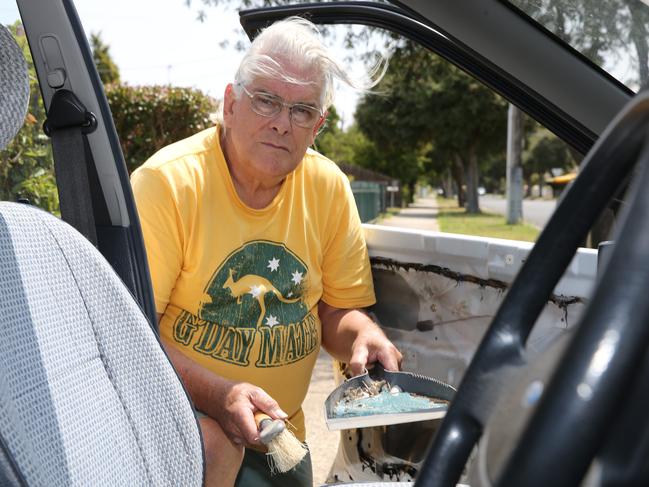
{"type": "Point", "coordinates": [426, 134]}
{"type": "Point", "coordinates": [614, 34]}
{"type": "Point", "coordinates": [432, 137]}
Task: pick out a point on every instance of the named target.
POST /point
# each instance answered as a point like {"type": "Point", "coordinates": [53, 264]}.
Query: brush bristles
{"type": "Point", "coordinates": [285, 451]}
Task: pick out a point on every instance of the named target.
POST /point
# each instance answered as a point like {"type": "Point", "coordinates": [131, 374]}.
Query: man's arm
{"type": "Point", "coordinates": [351, 336]}
{"type": "Point", "coordinates": [231, 403]}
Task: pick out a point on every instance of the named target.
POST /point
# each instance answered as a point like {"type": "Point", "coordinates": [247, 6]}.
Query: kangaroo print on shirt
{"type": "Point", "coordinates": [256, 296]}
{"type": "Point", "coordinates": [257, 286]}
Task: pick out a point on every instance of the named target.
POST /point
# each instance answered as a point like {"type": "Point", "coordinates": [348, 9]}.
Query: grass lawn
{"type": "Point", "coordinates": [453, 219]}
{"type": "Point", "coordinates": [389, 211]}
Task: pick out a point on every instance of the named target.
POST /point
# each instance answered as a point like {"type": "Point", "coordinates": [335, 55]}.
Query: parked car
{"type": "Point", "coordinates": [545, 344]}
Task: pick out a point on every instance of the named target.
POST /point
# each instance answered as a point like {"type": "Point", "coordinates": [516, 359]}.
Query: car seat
{"type": "Point", "coordinates": [87, 395]}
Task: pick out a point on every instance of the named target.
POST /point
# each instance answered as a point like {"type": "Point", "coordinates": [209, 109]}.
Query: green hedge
{"type": "Point", "coordinates": [149, 117]}
{"type": "Point", "coordinates": [146, 117]}
{"type": "Point", "coordinates": [26, 164]}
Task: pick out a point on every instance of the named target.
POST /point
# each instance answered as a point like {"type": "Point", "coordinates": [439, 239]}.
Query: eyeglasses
{"type": "Point", "coordinates": [267, 105]}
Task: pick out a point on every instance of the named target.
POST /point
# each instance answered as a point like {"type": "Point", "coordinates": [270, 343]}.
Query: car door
{"type": "Point", "coordinates": [64, 64]}
{"type": "Point", "coordinates": [437, 293]}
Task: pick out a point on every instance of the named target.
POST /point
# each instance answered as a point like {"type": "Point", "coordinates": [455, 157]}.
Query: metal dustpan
{"type": "Point", "coordinates": [437, 392]}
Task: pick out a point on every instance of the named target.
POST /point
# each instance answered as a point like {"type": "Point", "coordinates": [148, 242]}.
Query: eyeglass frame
{"type": "Point", "coordinates": [283, 104]}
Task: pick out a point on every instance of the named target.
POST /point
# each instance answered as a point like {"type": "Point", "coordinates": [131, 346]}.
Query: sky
{"type": "Point", "coordinates": [162, 42]}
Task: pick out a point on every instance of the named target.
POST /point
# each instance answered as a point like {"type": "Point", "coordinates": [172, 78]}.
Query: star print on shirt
{"type": "Point", "coordinates": [255, 291]}
{"type": "Point", "coordinates": [297, 277]}
{"type": "Point", "coordinates": [271, 321]}
{"type": "Point", "coordinates": [273, 264]}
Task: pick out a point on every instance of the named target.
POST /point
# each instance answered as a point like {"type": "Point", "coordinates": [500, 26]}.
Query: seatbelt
{"type": "Point", "coordinates": [67, 123]}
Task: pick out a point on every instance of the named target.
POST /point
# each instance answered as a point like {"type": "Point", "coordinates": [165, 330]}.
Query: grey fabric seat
{"type": "Point", "coordinates": [87, 396]}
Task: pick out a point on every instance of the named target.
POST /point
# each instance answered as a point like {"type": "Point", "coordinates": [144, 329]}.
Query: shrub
{"type": "Point", "coordinates": [149, 117]}
{"type": "Point", "coordinates": [26, 164]}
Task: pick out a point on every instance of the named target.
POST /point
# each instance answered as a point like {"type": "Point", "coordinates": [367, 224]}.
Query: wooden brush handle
{"type": "Point", "coordinates": [261, 416]}
{"type": "Point", "coordinates": [268, 427]}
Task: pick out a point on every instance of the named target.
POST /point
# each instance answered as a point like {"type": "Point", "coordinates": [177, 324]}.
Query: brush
{"type": "Point", "coordinates": [285, 451]}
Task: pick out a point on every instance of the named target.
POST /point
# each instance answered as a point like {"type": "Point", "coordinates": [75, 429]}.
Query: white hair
{"type": "Point", "coordinates": [296, 43]}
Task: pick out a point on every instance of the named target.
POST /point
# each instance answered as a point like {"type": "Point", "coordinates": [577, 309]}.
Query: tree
{"type": "Point", "coordinates": [596, 27]}
{"type": "Point", "coordinates": [26, 165]}
{"type": "Point", "coordinates": [343, 147]}
{"type": "Point", "coordinates": [430, 109]}
{"type": "Point", "coordinates": [392, 149]}
{"type": "Point", "coordinates": [108, 70]}
{"type": "Point", "coordinates": [544, 153]}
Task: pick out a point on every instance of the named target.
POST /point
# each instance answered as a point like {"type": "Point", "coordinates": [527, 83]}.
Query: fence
{"type": "Point", "coordinates": [370, 199]}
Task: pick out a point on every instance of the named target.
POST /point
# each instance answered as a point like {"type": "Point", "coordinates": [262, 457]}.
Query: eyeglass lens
{"type": "Point", "coordinates": [269, 105]}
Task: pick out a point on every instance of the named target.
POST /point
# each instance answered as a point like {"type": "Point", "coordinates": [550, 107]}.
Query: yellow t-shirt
{"type": "Point", "coordinates": [239, 287]}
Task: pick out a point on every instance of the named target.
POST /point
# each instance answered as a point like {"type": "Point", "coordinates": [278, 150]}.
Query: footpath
{"type": "Point", "coordinates": [422, 215]}
{"type": "Point", "coordinates": [324, 443]}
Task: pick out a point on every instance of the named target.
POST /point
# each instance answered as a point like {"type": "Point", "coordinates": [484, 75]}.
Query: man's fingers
{"type": "Point", "coordinates": [267, 404]}
{"type": "Point", "coordinates": [358, 362]}
{"type": "Point", "coordinates": [246, 427]}
{"type": "Point", "coordinates": [390, 362]}
{"type": "Point", "coordinates": [390, 359]}
{"type": "Point", "coordinates": [236, 416]}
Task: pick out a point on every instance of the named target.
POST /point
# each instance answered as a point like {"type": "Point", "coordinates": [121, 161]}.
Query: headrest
{"type": "Point", "coordinates": [14, 87]}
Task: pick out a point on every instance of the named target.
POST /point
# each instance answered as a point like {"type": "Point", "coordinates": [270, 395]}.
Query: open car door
{"type": "Point", "coordinates": [495, 317]}
{"type": "Point", "coordinates": [94, 188]}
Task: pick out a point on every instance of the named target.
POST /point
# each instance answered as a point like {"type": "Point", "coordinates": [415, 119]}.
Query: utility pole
{"type": "Point", "coordinates": [514, 165]}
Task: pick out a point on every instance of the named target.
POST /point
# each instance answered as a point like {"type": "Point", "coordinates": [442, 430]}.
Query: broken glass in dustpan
{"type": "Point", "coordinates": [381, 397]}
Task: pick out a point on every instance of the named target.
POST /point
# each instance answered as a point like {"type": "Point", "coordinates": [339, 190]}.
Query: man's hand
{"type": "Point", "coordinates": [371, 345]}
{"type": "Point", "coordinates": [233, 406]}
{"type": "Point", "coordinates": [351, 336]}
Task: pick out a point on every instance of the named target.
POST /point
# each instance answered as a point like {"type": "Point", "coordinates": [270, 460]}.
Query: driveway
{"type": "Point", "coordinates": [322, 442]}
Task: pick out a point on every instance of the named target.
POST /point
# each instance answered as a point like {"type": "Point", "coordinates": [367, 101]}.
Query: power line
{"type": "Point", "coordinates": [167, 65]}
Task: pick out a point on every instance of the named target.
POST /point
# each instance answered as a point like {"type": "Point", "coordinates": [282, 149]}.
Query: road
{"type": "Point", "coordinates": [535, 212]}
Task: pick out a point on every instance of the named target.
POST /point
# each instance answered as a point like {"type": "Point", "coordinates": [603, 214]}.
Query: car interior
{"type": "Point", "coordinates": [88, 396]}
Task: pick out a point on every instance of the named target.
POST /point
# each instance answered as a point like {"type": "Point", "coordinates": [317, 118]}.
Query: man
{"type": "Point", "coordinates": [257, 256]}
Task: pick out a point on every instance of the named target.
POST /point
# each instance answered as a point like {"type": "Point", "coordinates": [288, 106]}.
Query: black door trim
{"type": "Point", "coordinates": [403, 22]}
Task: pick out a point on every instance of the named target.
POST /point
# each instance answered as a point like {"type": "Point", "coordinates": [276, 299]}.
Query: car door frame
{"type": "Point", "coordinates": [476, 37]}
{"type": "Point", "coordinates": [57, 41]}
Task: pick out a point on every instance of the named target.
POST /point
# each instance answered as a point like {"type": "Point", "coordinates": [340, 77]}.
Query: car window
{"type": "Point", "coordinates": [427, 132]}
{"type": "Point", "coordinates": [440, 136]}
{"type": "Point", "coordinates": [611, 34]}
